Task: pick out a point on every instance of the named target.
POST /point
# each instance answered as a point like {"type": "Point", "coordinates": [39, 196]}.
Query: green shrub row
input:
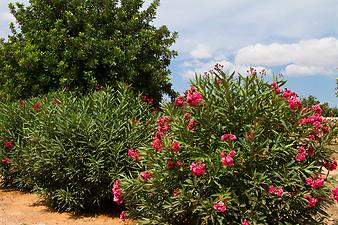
{"type": "Point", "coordinates": [71, 148]}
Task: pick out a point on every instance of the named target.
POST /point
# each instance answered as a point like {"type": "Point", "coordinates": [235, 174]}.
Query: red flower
{"type": "Point", "coordinates": [117, 192]}
{"type": "Point", "coordinates": [179, 101]}
{"type": "Point", "coordinates": [245, 222]}
{"type": "Point", "coordinates": [186, 115]}
{"type": "Point", "coordinates": [311, 202]}
{"type": "Point", "coordinates": [192, 124]}
{"type": "Point", "coordinates": [197, 169]}
{"type": "Point", "coordinates": [146, 175]}
{"type": "Point", "coordinates": [331, 165]}
{"type": "Point", "coordinates": [37, 106]}
{"type": "Point", "coordinates": [157, 144]}
{"type": "Point", "coordinates": [123, 216]}
{"type": "Point", "coordinates": [134, 154]}
{"type": "Point", "coordinates": [5, 161]}
{"type": "Point", "coordinates": [176, 146]}
{"type": "Point", "coordinates": [194, 99]}
{"type": "Point", "coordinates": [220, 207]}
{"type": "Point", "coordinates": [8, 144]}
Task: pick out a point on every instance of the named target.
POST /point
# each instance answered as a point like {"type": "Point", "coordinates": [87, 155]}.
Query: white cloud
{"type": "Point", "coordinates": [201, 51]}
{"type": "Point", "coordinates": [306, 57]}
{"type": "Point", "coordinates": [298, 70]}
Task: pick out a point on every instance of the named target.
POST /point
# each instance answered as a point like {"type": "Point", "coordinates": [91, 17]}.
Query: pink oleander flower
{"type": "Point", "coordinates": [5, 161]}
{"type": "Point", "coordinates": [8, 144]}
{"type": "Point", "coordinates": [37, 106]}
{"type": "Point", "coordinates": [335, 194]}
{"type": "Point", "coordinates": [294, 103]}
{"type": "Point", "coordinates": [318, 183]}
{"type": "Point", "coordinates": [275, 86]}
{"type": "Point", "coordinates": [134, 154]}
{"type": "Point", "coordinates": [331, 165]}
{"type": "Point", "coordinates": [280, 192]}
{"type": "Point", "coordinates": [288, 94]}
{"type": "Point", "coordinates": [186, 115]}
{"type": "Point", "coordinates": [224, 137]}
{"type": "Point", "coordinates": [179, 163]}
{"type": "Point", "coordinates": [197, 169]}
{"type": "Point", "coordinates": [194, 99]}
{"type": "Point", "coordinates": [220, 207]}
{"type": "Point", "coordinates": [146, 175]}
{"type": "Point", "coordinates": [192, 124]}
{"type": "Point", "coordinates": [271, 189]}
{"type": "Point", "coordinates": [179, 101]}
{"type": "Point", "coordinates": [301, 155]}
{"type": "Point", "coordinates": [316, 124]}
{"type": "Point", "coordinates": [157, 144]}
{"type": "Point", "coordinates": [123, 216]}
{"type": "Point", "coordinates": [233, 137]}
{"type": "Point", "coordinates": [228, 160]}
{"type": "Point", "coordinates": [317, 109]}
{"type": "Point", "coordinates": [245, 222]}
{"type": "Point", "coordinates": [176, 146]}
{"type": "Point", "coordinates": [117, 192]}
{"type": "Point", "coordinates": [311, 202]}
{"type": "Point", "coordinates": [170, 164]}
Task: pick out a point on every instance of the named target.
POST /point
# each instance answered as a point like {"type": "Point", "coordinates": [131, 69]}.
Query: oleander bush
{"type": "Point", "coordinates": [233, 150]}
{"type": "Point", "coordinates": [70, 148]}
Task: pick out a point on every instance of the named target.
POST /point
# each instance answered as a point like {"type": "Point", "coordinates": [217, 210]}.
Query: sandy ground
{"type": "Point", "coordinates": [17, 208]}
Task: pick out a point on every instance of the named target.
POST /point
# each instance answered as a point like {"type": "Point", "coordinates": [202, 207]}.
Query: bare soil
{"type": "Point", "coordinates": [17, 208]}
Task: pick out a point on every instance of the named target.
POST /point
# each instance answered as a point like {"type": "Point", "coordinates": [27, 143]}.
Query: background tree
{"type": "Point", "coordinates": [327, 110]}
{"type": "Point", "coordinates": [77, 44]}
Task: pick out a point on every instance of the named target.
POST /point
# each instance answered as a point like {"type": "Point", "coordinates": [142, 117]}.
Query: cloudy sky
{"type": "Point", "coordinates": [298, 38]}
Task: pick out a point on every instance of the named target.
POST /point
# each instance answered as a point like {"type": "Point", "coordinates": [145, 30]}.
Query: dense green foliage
{"type": "Point", "coordinates": [78, 44]}
{"type": "Point", "coordinates": [69, 148]}
{"type": "Point", "coordinates": [233, 150]}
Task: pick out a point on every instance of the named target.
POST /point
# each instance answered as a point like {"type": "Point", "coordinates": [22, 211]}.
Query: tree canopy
{"type": "Point", "coordinates": [77, 44]}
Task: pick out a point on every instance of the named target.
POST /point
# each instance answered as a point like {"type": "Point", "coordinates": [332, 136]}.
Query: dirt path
{"type": "Point", "coordinates": [18, 208]}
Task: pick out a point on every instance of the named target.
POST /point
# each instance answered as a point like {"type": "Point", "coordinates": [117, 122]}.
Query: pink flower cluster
{"type": "Point", "coordinates": [226, 137]}
{"type": "Point", "coordinates": [318, 183]}
{"type": "Point", "coordinates": [197, 169]}
{"type": "Point", "coordinates": [146, 175]}
{"type": "Point", "coordinates": [330, 165]}
{"type": "Point", "coordinates": [123, 216]}
{"type": "Point", "coordinates": [279, 191]}
{"type": "Point", "coordinates": [315, 120]}
{"type": "Point", "coordinates": [163, 127]}
{"type": "Point", "coordinates": [245, 222]}
{"type": "Point", "coordinates": [134, 154]}
{"type": "Point", "coordinates": [191, 96]}
{"type": "Point", "coordinates": [335, 194]}
{"type": "Point", "coordinates": [227, 160]}
{"type": "Point", "coordinates": [117, 192]}
{"type": "Point", "coordinates": [176, 146]}
{"type": "Point", "coordinates": [288, 94]}
{"type": "Point", "coordinates": [311, 202]}
{"type": "Point", "coordinates": [5, 161]}
{"type": "Point", "coordinates": [301, 155]}
{"type": "Point", "coordinates": [171, 164]}
{"type": "Point", "coordinates": [220, 207]}
{"type": "Point", "coordinates": [148, 100]}
{"type": "Point", "coordinates": [276, 87]}
{"type": "Point", "coordinates": [8, 144]}
{"type": "Point", "coordinates": [295, 103]}
{"type": "Point", "coordinates": [192, 124]}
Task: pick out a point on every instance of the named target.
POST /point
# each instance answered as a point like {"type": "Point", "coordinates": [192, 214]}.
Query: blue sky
{"type": "Point", "coordinates": [298, 38]}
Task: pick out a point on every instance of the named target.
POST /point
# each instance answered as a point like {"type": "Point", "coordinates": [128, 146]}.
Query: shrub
{"type": "Point", "coordinates": [75, 44]}
{"type": "Point", "coordinates": [70, 148]}
{"type": "Point", "coordinates": [233, 150]}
